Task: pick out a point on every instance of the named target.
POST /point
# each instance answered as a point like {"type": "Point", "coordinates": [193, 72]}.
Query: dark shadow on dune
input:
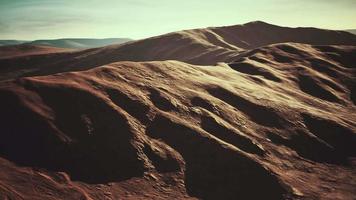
{"type": "Point", "coordinates": [335, 86]}
{"type": "Point", "coordinates": [309, 147]}
{"type": "Point", "coordinates": [23, 132]}
{"type": "Point", "coordinates": [257, 113]}
{"type": "Point", "coordinates": [213, 127]}
{"type": "Point", "coordinates": [163, 161]}
{"type": "Point", "coordinates": [339, 137]}
{"type": "Point", "coordinates": [345, 57]}
{"type": "Point", "coordinates": [291, 49]}
{"type": "Point", "coordinates": [325, 48]}
{"type": "Point", "coordinates": [257, 80]}
{"type": "Point", "coordinates": [248, 68]}
{"type": "Point", "coordinates": [259, 59]}
{"type": "Point", "coordinates": [98, 148]}
{"type": "Point", "coordinates": [353, 94]}
{"type": "Point", "coordinates": [161, 100]}
{"type": "Point", "coordinates": [324, 66]}
{"type": "Point", "coordinates": [311, 86]}
{"type": "Point", "coordinates": [281, 58]}
{"type": "Point", "coordinates": [134, 107]}
{"type": "Point", "coordinates": [204, 103]}
{"type": "Point", "coordinates": [213, 171]}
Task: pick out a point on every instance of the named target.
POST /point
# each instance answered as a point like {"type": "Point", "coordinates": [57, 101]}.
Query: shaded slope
{"type": "Point", "coordinates": [199, 46]}
{"type": "Point", "coordinates": [168, 129]}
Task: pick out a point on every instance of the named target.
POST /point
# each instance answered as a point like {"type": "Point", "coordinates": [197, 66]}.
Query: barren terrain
{"type": "Point", "coordinates": [216, 113]}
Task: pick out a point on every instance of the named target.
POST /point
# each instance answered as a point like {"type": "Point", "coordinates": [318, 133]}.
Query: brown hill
{"type": "Point", "coordinates": [199, 46]}
{"type": "Point", "coordinates": [277, 123]}
{"type": "Point", "coordinates": [14, 51]}
{"type": "Point", "coordinates": [257, 34]}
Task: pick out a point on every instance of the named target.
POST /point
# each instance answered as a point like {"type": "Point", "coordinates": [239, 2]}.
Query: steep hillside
{"type": "Point", "coordinates": [199, 46]}
{"type": "Point", "coordinates": [276, 123]}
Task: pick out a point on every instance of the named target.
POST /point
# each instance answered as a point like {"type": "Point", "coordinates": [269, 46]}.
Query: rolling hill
{"type": "Point", "coordinates": [12, 51]}
{"type": "Point", "coordinates": [195, 114]}
{"type": "Point", "coordinates": [199, 46]}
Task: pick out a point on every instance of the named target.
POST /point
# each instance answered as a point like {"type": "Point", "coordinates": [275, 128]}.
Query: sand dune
{"type": "Point", "coordinates": [277, 122]}
{"type": "Point", "coordinates": [14, 51]}
{"type": "Point", "coordinates": [199, 46]}
{"type": "Point", "coordinates": [253, 111]}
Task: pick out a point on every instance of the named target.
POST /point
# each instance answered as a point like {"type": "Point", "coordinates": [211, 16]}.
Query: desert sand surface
{"type": "Point", "coordinates": [161, 119]}
{"type": "Point", "coordinates": [14, 51]}
{"type": "Point", "coordinates": [198, 46]}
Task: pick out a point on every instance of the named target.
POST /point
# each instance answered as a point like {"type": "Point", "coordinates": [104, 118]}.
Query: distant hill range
{"type": "Point", "coordinates": [12, 42]}
{"type": "Point", "coordinates": [12, 51]}
{"type": "Point", "coordinates": [206, 46]}
{"type": "Point", "coordinates": [69, 43]}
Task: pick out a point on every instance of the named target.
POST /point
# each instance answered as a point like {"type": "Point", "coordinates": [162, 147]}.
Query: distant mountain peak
{"type": "Point", "coordinates": [258, 23]}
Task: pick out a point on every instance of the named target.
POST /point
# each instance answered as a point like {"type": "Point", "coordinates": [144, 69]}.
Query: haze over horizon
{"type": "Point", "coordinates": [137, 19]}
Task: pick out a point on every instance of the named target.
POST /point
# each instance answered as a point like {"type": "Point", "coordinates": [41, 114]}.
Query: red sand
{"type": "Point", "coordinates": [276, 122]}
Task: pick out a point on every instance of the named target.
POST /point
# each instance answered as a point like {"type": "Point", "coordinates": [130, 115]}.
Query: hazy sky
{"type": "Point", "coordinates": [44, 19]}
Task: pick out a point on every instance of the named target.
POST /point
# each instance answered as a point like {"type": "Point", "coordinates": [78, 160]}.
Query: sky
{"type": "Point", "coordinates": [137, 19]}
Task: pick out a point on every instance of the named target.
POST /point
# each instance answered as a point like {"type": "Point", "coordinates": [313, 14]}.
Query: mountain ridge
{"type": "Point", "coordinates": [198, 46]}
{"type": "Point", "coordinates": [186, 115]}
{"type": "Point", "coordinates": [69, 43]}
{"type": "Point", "coordinates": [20, 50]}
